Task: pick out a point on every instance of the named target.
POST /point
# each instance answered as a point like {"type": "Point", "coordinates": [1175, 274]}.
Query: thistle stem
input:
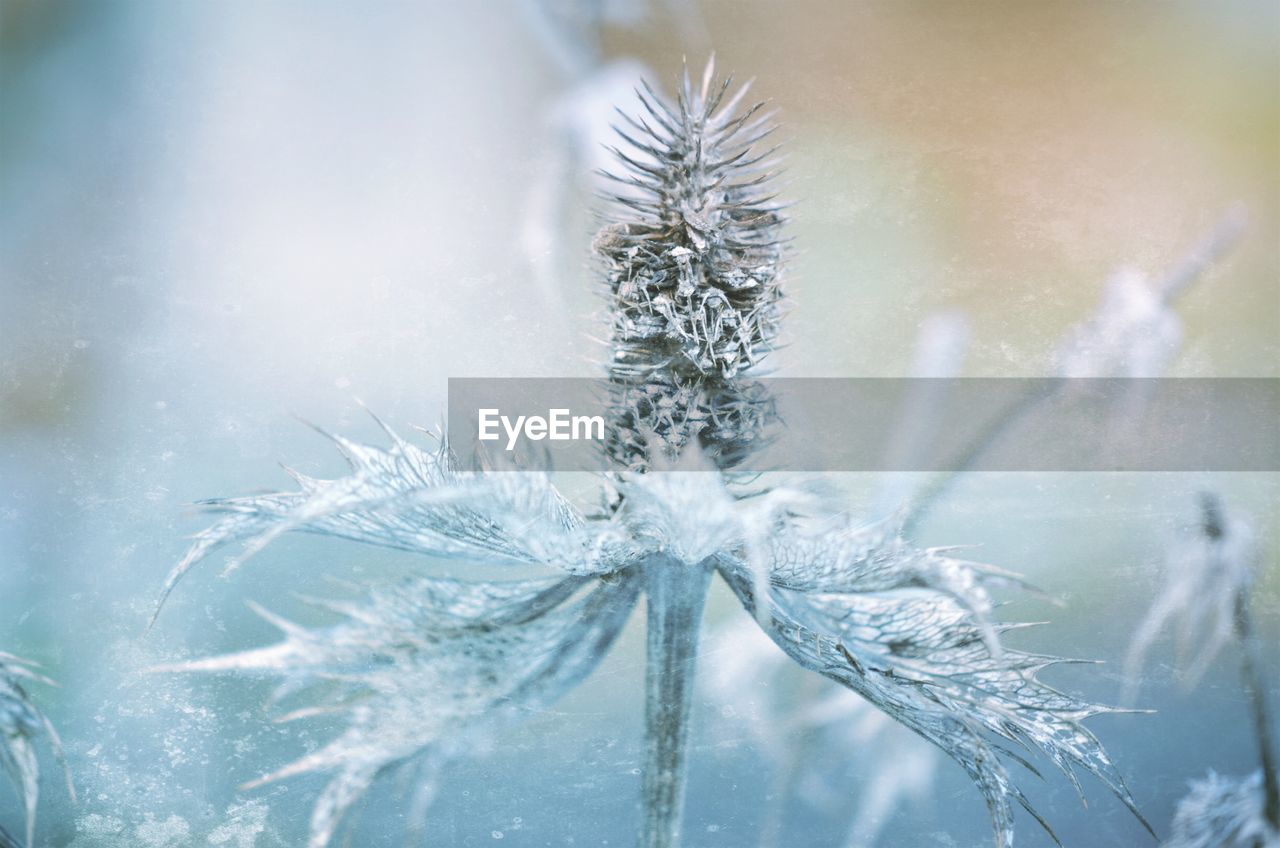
{"type": "Point", "coordinates": [676, 595]}
{"type": "Point", "coordinates": [1261, 715]}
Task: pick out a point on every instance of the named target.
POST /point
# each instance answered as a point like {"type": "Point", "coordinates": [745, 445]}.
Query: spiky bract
{"type": "Point", "coordinates": [904, 627]}
{"type": "Point", "coordinates": [21, 724]}
{"type": "Point", "coordinates": [423, 669]}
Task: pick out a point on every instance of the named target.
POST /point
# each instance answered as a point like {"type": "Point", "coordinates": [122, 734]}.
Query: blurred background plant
{"type": "Point", "coordinates": [212, 217]}
{"type": "Point", "coordinates": [1206, 594]}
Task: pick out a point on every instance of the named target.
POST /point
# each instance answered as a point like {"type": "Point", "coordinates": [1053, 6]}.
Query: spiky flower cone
{"type": "Point", "coordinates": [693, 260]}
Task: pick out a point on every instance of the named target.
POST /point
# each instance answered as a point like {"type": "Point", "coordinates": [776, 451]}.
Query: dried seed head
{"type": "Point", "coordinates": [693, 259]}
{"type": "Point", "coordinates": [693, 254]}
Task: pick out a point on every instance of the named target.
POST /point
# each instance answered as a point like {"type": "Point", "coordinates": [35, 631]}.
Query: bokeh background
{"type": "Point", "coordinates": [217, 216]}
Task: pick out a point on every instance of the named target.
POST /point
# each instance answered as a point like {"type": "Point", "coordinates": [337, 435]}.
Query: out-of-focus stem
{"type": "Point", "coordinates": [1205, 255]}
{"type": "Point", "coordinates": [1175, 283]}
{"type": "Point", "coordinates": [1261, 715]}
{"type": "Point", "coordinates": [1040, 391]}
{"type": "Point", "coordinates": [676, 596]}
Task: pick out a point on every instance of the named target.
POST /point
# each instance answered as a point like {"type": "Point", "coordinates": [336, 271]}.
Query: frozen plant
{"type": "Point", "coordinates": [1135, 331]}
{"type": "Point", "coordinates": [692, 265]}
{"type": "Point", "coordinates": [21, 724]}
{"type": "Point", "coordinates": [1206, 578]}
{"type": "Point", "coordinates": [1206, 596]}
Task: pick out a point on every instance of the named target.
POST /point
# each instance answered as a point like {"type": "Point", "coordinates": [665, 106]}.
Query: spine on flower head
{"type": "Point", "coordinates": [692, 257]}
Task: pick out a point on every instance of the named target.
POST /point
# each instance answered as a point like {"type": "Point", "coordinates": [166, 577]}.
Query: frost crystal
{"type": "Point", "coordinates": [421, 669]}
{"type": "Point", "coordinates": [20, 724]}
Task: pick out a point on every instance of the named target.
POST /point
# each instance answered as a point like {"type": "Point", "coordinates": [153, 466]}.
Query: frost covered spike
{"type": "Point", "coordinates": [425, 669]}
{"type": "Point", "coordinates": [694, 250]}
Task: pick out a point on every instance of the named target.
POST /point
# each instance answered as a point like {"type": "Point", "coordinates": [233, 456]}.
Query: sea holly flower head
{"type": "Point", "coordinates": [693, 256]}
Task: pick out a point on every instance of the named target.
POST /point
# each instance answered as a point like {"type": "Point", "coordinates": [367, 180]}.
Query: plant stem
{"type": "Point", "coordinates": [676, 596]}
{"type": "Point", "coordinates": [1261, 716]}
{"type": "Point", "coordinates": [1171, 287]}
{"type": "Point", "coordinates": [1209, 251]}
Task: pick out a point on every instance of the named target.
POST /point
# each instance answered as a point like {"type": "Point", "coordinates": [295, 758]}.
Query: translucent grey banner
{"type": "Point", "coordinates": [836, 424]}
